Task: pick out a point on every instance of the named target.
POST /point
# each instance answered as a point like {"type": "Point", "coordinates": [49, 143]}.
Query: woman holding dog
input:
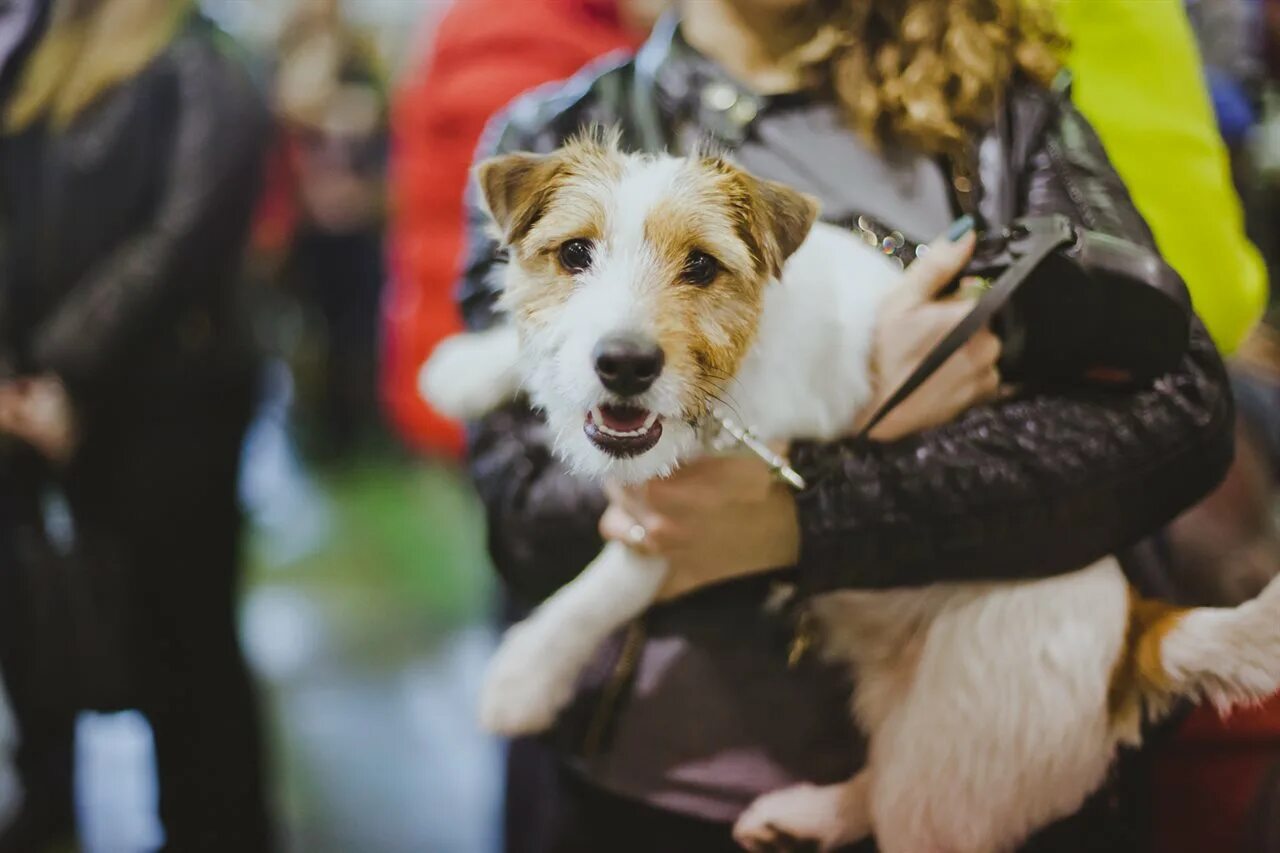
{"type": "Point", "coordinates": [908, 120]}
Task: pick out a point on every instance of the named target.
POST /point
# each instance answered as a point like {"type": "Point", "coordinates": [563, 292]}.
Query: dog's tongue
{"type": "Point", "coordinates": [623, 418]}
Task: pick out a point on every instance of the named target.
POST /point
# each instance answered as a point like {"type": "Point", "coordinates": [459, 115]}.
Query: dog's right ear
{"type": "Point", "coordinates": [511, 186]}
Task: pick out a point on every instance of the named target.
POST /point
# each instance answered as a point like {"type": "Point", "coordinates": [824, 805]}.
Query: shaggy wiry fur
{"type": "Point", "coordinates": [991, 708]}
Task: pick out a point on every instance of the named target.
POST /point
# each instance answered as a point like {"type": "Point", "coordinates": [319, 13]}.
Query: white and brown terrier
{"type": "Point", "coordinates": [641, 290]}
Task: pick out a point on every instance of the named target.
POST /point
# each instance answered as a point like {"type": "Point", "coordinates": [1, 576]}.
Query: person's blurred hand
{"type": "Point", "coordinates": [913, 319]}
{"type": "Point", "coordinates": [38, 410]}
{"type": "Point", "coordinates": [713, 520]}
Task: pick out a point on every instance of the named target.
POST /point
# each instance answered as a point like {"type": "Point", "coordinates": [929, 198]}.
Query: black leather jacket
{"type": "Point", "coordinates": [122, 238]}
{"type": "Point", "coordinates": [1043, 484]}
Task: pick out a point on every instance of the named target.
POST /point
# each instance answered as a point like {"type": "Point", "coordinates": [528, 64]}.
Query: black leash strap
{"type": "Point", "coordinates": [1043, 237]}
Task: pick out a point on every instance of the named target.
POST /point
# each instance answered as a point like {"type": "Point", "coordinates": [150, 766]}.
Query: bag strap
{"type": "Point", "coordinates": [1042, 237]}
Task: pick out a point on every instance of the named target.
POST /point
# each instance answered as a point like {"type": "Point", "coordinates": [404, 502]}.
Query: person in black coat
{"type": "Point", "coordinates": [130, 147]}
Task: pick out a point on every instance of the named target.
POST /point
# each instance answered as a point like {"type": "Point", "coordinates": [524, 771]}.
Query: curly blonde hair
{"type": "Point", "coordinates": [927, 72]}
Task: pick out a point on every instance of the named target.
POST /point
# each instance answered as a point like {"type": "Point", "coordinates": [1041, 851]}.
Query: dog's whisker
{"type": "Point", "coordinates": [722, 396]}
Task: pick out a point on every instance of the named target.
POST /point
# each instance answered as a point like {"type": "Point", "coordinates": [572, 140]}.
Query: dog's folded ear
{"type": "Point", "coordinates": [513, 188]}
{"type": "Point", "coordinates": [786, 215]}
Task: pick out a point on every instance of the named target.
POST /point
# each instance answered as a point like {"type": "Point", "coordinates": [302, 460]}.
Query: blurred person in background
{"type": "Point", "coordinates": [329, 164]}
{"type": "Point", "coordinates": [20, 24]}
{"type": "Point", "coordinates": [1231, 52]}
{"type": "Point", "coordinates": [856, 87]}
{"type": "Point", "coordinates": [1232, 47]}
{"type": "Point", "coordinates": [130, 147]}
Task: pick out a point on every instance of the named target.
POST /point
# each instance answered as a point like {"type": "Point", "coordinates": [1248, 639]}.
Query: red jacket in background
{"type": "Point", "coordinates": [484, 54]}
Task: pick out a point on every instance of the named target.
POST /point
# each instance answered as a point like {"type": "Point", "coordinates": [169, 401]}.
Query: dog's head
{"type": "Point", "coordinates": [636, 283]}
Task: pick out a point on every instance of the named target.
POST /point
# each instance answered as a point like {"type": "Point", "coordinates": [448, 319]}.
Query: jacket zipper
{"type": "Point", "coordinates": [619, 680]}
{"type": "Point", "coordinates": [1064, 174]}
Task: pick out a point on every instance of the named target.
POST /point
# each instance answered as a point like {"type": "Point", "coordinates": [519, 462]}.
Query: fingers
{"type": "Point", "coordinates": [695, 484]}
{"type": "Point", "coordinates": [15, 411]}
{"type": "Point", "coordinates": [971, 287]}
{"type": "Point", "coordinates": [646, 532]}
{"type": "Point", "coordinates": [980, 379]}
{"type": "Point", "coordinates": [982, 351]}
{"type": "Point", "coordinates": [617, 525]}
{"type": "Point", "coordinates": [615, 492]}
{"type": "Point", "coordinates": [650, 506]}
{"type": "Point", "coordinates": [937, 267]}
{"type": "Point", "coordinates": [635, 502]}
{"type": "Point", "coordinates": [988, 387]}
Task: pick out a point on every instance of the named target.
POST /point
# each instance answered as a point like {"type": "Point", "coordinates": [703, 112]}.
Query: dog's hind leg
{"type": "Point", "coordinates": [536, 668]}
{"type": "Point", "coordinates": [830, 816]}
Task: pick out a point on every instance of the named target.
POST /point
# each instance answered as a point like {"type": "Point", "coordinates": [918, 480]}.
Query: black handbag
{"type": "Point", "coordinates": [1065, 302]}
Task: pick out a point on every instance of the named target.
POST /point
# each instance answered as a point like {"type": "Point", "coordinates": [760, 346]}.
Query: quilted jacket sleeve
{"type": "Point", "coordinates": [1034, 486]}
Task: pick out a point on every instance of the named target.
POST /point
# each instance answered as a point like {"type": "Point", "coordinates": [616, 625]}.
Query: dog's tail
{"type": "Point", "coordinates": [470, 374]}
{"type": "Point", "coordinates": [1226, 656]}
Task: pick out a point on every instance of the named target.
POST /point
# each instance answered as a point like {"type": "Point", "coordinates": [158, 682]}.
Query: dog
{"type": "Point", "coordinates": [641, 291]}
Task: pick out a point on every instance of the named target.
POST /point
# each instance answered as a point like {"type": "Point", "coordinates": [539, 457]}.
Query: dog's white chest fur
{"type": "Point", "coordinates": [806, 375]}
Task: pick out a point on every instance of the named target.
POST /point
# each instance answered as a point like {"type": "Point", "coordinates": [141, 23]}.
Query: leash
{"type": "Point", "coordinates": [1045, 236]}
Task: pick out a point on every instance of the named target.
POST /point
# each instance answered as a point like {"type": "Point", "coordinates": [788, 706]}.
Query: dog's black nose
{"type": "Point", "coordinates": [628, 364]}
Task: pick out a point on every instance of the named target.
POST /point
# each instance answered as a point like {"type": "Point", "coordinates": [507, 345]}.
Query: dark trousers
{"type": "Point", "coordinates": [341, 276]}
{"type": "Point", "coordinates": [155, 505]}
{"type": "Point", "coordinates": [43, 704]}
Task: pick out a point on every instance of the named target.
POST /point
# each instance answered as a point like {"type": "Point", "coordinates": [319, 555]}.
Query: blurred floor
{"type": "Point", "coordinates": [366, 619]}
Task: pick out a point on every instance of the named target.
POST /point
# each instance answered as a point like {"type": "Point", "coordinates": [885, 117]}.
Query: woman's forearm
{"type": "Point", "coordinates": [1027, 488]}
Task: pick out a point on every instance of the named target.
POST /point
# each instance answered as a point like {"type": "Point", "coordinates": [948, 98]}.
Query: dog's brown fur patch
{"type": "Point", "coordinates": [1139, 682]}
{"type": "Point", "coordinates": [561, 197]}
{"type": "Point", "coordinates": [705, 329]}
{"type": "Point", "coordinates": [519, 188]}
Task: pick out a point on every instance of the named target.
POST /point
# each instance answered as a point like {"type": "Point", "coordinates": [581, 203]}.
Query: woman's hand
{"type": "Point", "coordinates": [715, 519]}
{"type": "Point", "coordinates": [913, 319]}
{"type": "Point", "coordinates": [38, 411]}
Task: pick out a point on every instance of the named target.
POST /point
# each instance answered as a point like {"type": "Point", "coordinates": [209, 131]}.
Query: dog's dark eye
{"type": "Point", "coordinates": [700, 268]}
{"type": "Point", "coordinates": [575, 255]}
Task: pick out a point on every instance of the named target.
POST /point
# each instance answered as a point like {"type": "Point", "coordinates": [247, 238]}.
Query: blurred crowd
{"type": "Point", "coordinates": [185, 212]}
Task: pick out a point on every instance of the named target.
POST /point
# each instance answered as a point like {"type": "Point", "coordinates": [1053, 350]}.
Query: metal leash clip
{"type": "Point", "coordinates": [779, 465]}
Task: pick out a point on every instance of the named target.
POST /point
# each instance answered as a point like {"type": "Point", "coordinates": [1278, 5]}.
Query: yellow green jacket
{"type": "Point", "coordinates": [1138, 79]}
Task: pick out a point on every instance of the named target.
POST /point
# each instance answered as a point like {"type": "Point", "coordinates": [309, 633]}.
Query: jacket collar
{"type": "Point", "coordinates": [696, 98]}
{"type": "Point", "coordinates": [695, 90]}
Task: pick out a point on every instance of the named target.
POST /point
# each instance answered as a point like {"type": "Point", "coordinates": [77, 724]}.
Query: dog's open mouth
{"type": "Point", "coordinates": [622, 430]}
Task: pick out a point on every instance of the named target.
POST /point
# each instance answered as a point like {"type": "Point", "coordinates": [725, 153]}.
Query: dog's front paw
{"type": "Point", "coordinates": [527, 684]}
{"type": "Point", "coordinates": [803, 817]}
